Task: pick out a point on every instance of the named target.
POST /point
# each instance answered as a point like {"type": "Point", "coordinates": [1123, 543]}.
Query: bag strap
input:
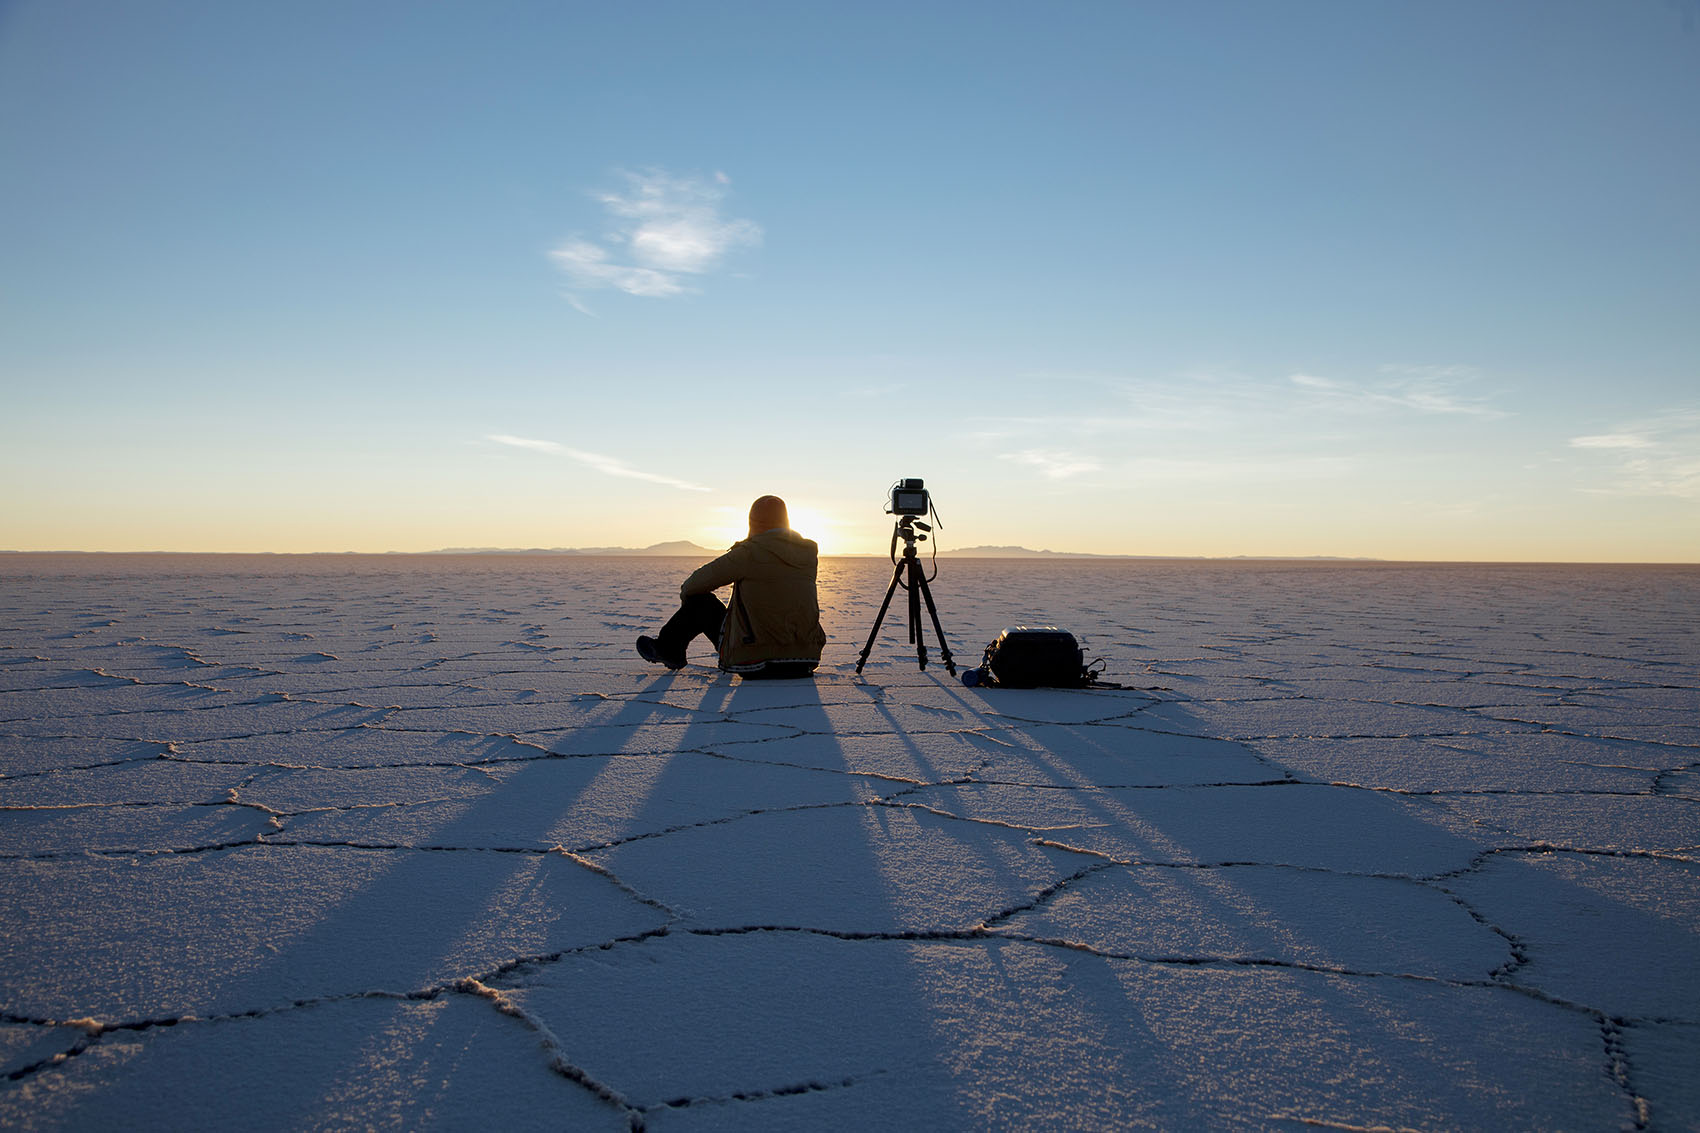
{"type": "Point", "coordinates": [1089, 676]}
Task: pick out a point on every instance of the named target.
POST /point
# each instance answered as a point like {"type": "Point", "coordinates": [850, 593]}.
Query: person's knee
{"type": "Point", "coordinates": [704, 602]}
{"type": "Point", "coordinates": [704, 614]}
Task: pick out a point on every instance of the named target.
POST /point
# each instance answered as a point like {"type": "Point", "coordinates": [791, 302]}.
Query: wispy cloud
{"type": "Point", "coordinates": [1223, 426]}
{"type": "Point", "coordinates": [1055, 465]}
{"type": "Point", "coordinates": [1613, 440]}
{"type": "Point", "coordinates": [1248, 469]}
{"type": "Point", "coordinates": [1212, 404]}
{"type": "Point", "coordinates": [526, 442]}
{"type": "Point", "coordinates": [607, 465]}
{"type": "Point", "coordinates": [610, 466]}
{"type": "Point", "coordinates": [1422, 389]}
{"type": "Point", "coordinates": [1655, 457]}
{"type": "Point", "coordinates": [664, 230]}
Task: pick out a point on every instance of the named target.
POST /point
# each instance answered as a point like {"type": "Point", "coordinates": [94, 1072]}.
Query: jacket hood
{"type": "Point", "coordinates": [787, 546]}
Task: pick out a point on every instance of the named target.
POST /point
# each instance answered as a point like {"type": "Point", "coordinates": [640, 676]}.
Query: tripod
{"type": "Point", "coordinates": [916, 584]}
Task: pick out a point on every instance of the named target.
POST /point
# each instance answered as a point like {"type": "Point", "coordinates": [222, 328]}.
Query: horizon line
{"type": "Point", "coordinates": [966, 553]}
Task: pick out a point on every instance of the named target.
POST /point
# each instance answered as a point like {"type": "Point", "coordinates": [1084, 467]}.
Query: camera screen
{"type": "Point", "coordinates": [909, 501]}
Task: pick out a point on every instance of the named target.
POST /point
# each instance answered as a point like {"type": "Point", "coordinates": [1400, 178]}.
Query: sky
{"type": "Point", "coordinates": [1405, 280]}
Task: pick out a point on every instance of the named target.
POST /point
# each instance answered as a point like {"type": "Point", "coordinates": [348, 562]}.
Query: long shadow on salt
{"type": "Point", "coordinates": [783, 918]}
{"type": "Point", "coordinates": [839, 963]}
{"type": "Point", "coordinates": [841, 864]}
{"type": "Point", "coordinates": [1615, 934]}
{"type": "Point", "coordinates": [448, 1062]}
{"type": "Point", "coordinates": [1264, 870]}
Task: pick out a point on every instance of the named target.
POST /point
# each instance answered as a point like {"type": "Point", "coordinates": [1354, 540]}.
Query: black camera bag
{"type": "Point", "coordinates": [1034, 657]}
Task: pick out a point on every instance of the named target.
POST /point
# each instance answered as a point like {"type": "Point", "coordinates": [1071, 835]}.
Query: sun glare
{"type": "Point", "coordinates": [807, 521]}
{"type": "Point", "coordinates": [815, 524]}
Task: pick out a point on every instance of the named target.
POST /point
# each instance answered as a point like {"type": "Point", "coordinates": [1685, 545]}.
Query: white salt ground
{"type": "Point", "coordinates": [331, 842]}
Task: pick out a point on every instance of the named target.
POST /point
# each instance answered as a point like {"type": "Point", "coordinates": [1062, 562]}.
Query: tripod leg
{"type": "Point", "coordinates": [944, 650]}
{"type": "Point", "coordinates": [917, 584]}
{"type": "Point", "coordinates": [884, 606]}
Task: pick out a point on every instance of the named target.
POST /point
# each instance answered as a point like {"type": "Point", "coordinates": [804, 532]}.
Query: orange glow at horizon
{"type": "Point", "coordinates": [806, 520]}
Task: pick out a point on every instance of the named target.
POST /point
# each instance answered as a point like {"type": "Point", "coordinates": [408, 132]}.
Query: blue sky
{"type": "Point", "coordinates": [1405, 280]}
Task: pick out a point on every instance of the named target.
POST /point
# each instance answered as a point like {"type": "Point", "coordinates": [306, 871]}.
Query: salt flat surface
{"type": "Point", "coordinates": [412, 842]}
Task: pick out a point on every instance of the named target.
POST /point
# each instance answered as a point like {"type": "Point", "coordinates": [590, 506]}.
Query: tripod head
{"type": "Point", "coordinates": [909, 528]}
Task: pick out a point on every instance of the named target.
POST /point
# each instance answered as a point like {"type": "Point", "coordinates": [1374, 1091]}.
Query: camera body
{"type": "Point", "coordinates": [908, 497]}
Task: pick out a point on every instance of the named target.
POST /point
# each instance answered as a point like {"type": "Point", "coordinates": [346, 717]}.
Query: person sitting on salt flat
{"type": "Point", "coordinates": [772, 628]}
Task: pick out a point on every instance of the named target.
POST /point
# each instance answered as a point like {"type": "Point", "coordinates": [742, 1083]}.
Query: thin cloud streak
{"type": "Point", "coordinates": [1432, 391]}
{"type": "Point", "coordinates": [1054, 465]}
{"type": "Point", "coordinates": [1213, 404]}
{"type": "Point", "coordinates": [1274, 468]}
{"type": "Point", "coordinates": [610, 466]}
{"type": "Point", "coordinates": [666, 229]}
{"type": "Point", "coordinates": [1612, 440]}
{"type": "Point", "coordinates": [525, 442]}
{"type": "Point", "coordinates": [1660, 457]}
{"type": "Point", "coordinates": [607, 465]}
{"type": "Point", "coordinates": [1282, 428]}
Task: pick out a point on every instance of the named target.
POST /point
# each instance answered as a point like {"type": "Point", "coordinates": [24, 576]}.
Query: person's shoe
{"type": "Point", "coordinates": [650, 650]}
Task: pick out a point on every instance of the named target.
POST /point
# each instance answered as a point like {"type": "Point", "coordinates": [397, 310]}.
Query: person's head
{"type": "Point", "coordinates": [767, 513]}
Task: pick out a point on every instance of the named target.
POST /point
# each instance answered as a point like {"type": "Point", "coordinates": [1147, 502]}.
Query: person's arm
{"type": "Point", "coordinates": [724, 571]}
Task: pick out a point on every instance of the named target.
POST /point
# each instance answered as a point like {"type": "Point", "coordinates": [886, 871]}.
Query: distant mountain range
{"type": "Point", "coordinates": [992, 552]}
{"type": "Point", "coordinates": [678, 547]}
{"type": "Point", "coordinates": [684, 548]}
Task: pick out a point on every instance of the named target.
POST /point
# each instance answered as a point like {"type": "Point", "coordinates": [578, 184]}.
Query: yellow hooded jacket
{"type": "Point", "coordinates": [774, 614]}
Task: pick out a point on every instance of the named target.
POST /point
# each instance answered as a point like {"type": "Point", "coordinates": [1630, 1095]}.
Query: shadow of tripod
{"type": "Point", "coordinates": [911, 577]}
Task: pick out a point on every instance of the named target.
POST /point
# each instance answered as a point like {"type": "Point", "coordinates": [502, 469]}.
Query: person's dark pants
{"type": "Point", "coordinates": [700, 613]}
{"type": "Point", "coordinates": [705, 614]}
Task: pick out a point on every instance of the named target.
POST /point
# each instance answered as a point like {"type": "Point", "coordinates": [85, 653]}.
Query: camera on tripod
{"type": "Point", "coordinates": [909, 501]}
{"type": "Point", "coordinates": [908, 497]}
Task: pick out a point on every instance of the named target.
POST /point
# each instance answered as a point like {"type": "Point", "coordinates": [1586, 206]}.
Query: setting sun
{"type": "Point", "coordinates": [817, 525]}
{"type": "Point", "coordinates": [730, 525]}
